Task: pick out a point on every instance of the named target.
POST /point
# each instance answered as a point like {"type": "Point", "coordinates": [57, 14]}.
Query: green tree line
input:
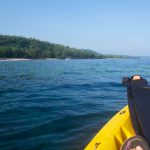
{"type": "Point", "coordinates": [21, 47]}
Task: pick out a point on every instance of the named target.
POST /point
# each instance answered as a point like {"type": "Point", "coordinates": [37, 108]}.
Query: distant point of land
{"type": "Point", "coordinates": [30, 48]}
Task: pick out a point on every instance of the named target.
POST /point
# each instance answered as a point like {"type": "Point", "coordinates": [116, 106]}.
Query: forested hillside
{"type": "Point", "coordinates": [21, 47]}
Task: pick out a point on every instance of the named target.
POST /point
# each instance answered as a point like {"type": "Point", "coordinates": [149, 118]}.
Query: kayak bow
{"type": "Point", "coordinates": [114, 133]}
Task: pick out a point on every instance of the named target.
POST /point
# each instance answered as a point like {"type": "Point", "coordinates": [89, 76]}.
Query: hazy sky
{"type": "Point", "coordinates": [107, 26]}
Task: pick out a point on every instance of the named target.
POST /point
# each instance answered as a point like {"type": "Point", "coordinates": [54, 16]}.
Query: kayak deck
{"type": "Point", "coordinates": [114, 133]}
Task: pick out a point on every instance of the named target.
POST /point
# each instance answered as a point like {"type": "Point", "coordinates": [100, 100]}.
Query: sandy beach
{"type": "Point", "coordinates": [14, 59]}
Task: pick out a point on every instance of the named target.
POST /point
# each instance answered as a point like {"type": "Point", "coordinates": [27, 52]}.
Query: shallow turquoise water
{"type": "Point", "coordinates": [59, 104]}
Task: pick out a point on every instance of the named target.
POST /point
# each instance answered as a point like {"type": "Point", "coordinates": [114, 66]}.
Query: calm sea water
{"type": "Point", "coordinates": [59, 104]}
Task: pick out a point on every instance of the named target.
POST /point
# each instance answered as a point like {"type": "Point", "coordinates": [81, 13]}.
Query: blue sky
{"type": "Point", "coordinates": [107, 26]}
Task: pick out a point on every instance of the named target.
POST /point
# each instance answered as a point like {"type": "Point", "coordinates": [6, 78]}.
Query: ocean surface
{"type": "Point", "coordinates": [61, 104]}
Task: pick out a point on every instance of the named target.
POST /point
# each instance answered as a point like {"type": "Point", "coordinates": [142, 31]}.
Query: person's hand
{"type": "Point", "coordinates": [136, 78]}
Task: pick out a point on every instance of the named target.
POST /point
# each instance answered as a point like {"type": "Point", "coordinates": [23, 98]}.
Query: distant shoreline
{"type": "Point", "coordinates": [13, 59]}
{"type": "Point", "coordinates": [27, 59]}
{"type": "Point", "coordinates": [22, 48]}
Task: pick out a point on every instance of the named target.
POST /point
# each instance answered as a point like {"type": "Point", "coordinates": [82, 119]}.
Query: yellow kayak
{"type": "Point", "coordinates": [114, 133]}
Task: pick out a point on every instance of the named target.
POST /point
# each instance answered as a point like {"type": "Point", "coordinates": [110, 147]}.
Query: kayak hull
{"type": "Point", "coordinates": [114, 133]}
